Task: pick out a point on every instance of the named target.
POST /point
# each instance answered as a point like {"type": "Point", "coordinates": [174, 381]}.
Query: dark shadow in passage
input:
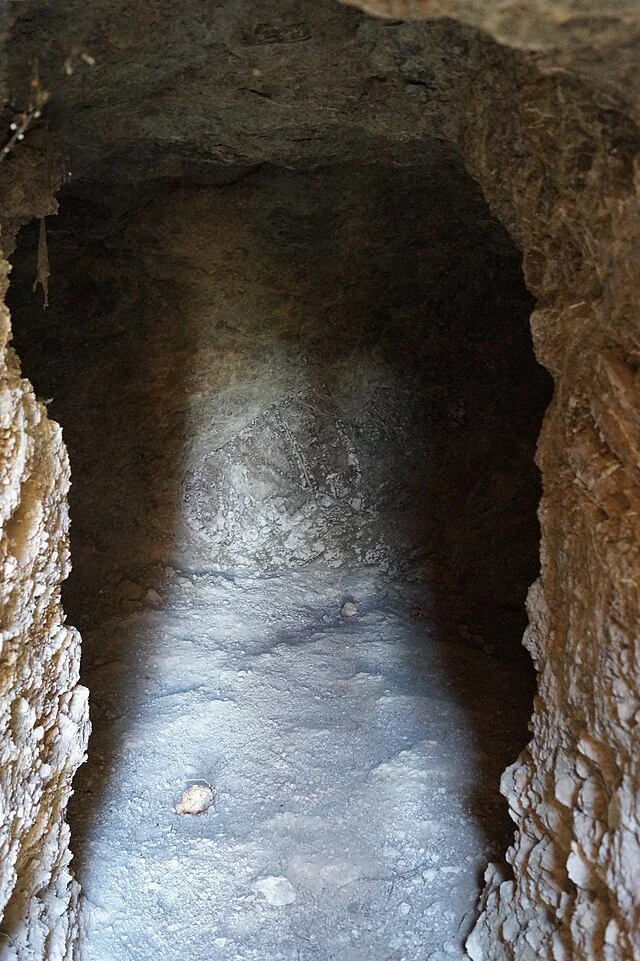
{"type": "Point", "coordinates": [109, 358]}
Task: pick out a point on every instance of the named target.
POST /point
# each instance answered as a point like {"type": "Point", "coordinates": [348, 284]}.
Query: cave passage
{"type": "Point", "coordinates": [283, 393]}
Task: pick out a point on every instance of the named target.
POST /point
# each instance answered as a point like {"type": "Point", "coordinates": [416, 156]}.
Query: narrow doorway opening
{"type": "Point", "coordinates": [301, 409]}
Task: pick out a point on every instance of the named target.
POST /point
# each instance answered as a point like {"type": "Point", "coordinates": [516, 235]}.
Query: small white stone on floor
{"type": "Point", "coordinates": [278, 891]}
{"type": "Point", "coordinates": [196, 799]}
{"type": "Point", "coordinates": [349, 609]}
{"type": "Point", "coordinates": [152, 597]}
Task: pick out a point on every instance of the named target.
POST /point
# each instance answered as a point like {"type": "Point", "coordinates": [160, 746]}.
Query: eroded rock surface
{"type": "Point", "coordinates": [549, 131]}
{"type": "Point", "coordinates": [43, 709]}
{"type": "Point", "coordinates": [599, 42]}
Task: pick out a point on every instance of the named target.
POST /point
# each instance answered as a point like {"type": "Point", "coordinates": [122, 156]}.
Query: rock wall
{"type": "Point", "coordinates": [596, 40]}
{"type": "Point", "coordinates": [43, 709]}
{"type": "Point", "coordinates": [574, 795]}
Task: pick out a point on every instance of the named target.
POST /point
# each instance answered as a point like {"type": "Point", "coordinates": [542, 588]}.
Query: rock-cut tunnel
{"type": "Point", "coordinates": [290, 346]}
{"type": "Point", "coordinates": [301, 408]}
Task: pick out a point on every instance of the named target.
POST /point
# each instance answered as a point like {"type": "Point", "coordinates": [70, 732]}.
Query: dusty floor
{"type": "Point", "coordinates": [279, 394]}
{"type": "Point", "coordinates": [355, 758]}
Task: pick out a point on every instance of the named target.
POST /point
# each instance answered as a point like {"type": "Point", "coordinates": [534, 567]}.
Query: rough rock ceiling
{"type": "Point", "coordinates": [182, 90]}
{"type": "Point", "coordinates": [168, 90]}
{"type": "Point", "coordinates": [597, 40]}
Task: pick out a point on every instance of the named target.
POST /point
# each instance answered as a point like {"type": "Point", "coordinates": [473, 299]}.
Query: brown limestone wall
{"type": "Point", "coordinates": [574, 794]}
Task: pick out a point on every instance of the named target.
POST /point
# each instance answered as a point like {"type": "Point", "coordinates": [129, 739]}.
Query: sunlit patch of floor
{"type": "Point", "coordinates": [354, 763]}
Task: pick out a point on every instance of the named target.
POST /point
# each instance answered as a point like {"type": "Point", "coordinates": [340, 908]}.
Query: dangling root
{"type": "Point", "coordinates": [43, 271]}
